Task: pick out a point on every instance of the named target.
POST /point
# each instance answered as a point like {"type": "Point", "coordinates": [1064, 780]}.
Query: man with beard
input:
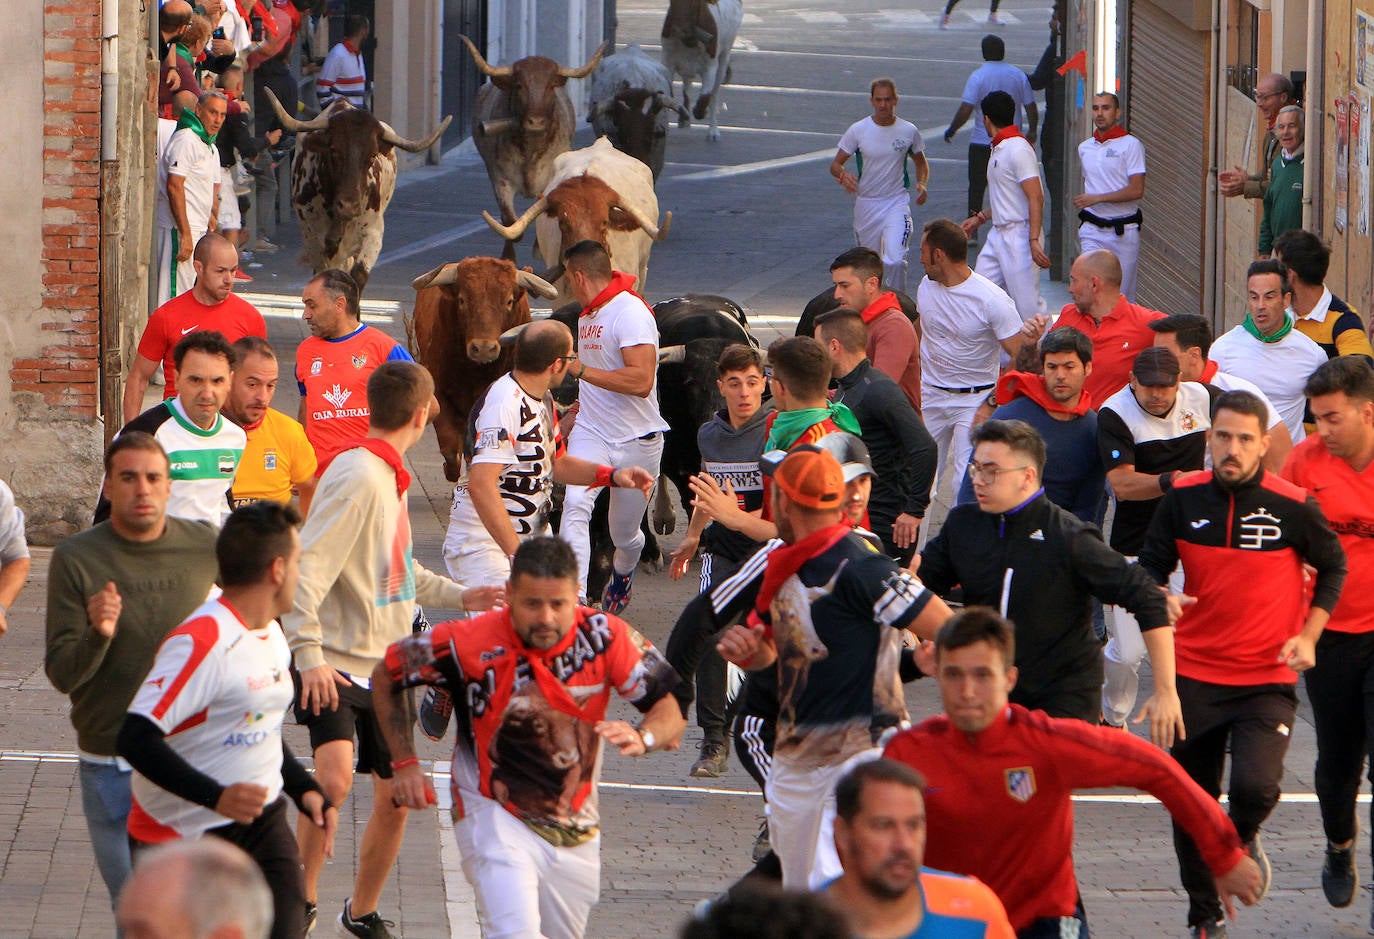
{"type": "Point", "coordinates": [1239, 649]}
{"type": "Point", "coordinates": [277, 459]}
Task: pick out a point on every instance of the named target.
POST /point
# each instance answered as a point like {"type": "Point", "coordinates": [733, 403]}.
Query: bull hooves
{"type": "Point", "coordinates": [713, 134]}
{"type": "Point", "coordinates": [651, 565]}
{"type": "Point", "coordinates": [665, 526]}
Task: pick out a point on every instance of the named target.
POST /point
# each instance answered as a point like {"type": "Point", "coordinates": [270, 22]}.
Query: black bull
{"type": "Point", "coordinates": [702, 325]}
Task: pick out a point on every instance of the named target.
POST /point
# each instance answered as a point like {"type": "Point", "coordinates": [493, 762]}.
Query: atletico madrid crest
{"type": "Point", "coordinates": [360, 360]}
{"type": "Point", "coordinates": [1020, 783]}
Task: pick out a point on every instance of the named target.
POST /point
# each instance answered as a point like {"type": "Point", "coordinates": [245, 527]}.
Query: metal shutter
{"type": "Point", "coordinates": [1168, 112]}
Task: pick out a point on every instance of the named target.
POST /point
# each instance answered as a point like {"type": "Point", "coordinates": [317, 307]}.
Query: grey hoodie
{"type": "Point", "coordinates": [727, 453]}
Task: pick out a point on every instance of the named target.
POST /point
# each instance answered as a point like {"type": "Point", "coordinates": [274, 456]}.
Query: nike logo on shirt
{"type": "Point", "coordinates": [190, 329]}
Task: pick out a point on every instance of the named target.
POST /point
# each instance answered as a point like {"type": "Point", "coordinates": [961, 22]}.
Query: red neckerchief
{"type": "Point", "coordinates": [384, 452]}
{"type": "Point", "coordinates": [887, 301]}
{"type": "Point", "coordinates": [620, 283]}
{"type": "Point", "coordinates": [349, 46]}
{"type": "Point", "coordinates": [1209, 371]}
{"type": "Point", "coordinates": [1013, 385]}
{"type": "Point", "coordinates": [787, 560]}
{"type": "Point", "coordinates": [555, 692]}
{"type": "Point", "coordinates": [1111, 133]}
{"type": "Point", "coordinates": [1006, 133]}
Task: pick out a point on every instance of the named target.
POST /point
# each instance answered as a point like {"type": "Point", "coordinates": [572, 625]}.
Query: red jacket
{"type": "Point", "coordinates": [997, 803]}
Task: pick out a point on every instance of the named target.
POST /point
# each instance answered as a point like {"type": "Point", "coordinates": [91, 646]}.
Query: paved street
{"type": "Point", "coordinates": [756, 218]}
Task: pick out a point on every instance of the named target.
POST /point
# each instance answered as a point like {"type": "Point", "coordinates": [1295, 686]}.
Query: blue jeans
{"type": "Point", "coordinates": [106, 796]}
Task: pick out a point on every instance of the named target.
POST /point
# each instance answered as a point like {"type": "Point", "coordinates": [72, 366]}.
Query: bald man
{"type": "Point", "coordinates": [201, 889]}
{"type": "Point", "coordinates": [210, 305]}
{"type": "Point", "coordinates": [1118, 328]}
{"type": "Point", "coordinates": [1273, 93]}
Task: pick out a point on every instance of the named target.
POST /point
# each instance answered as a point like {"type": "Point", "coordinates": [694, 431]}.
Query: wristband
{"type": "Point", "coordinates": [604, 476]}
{"type": "Point", "coordinates": [402, 764]}
{"type": "Point", "coordinates": [583, 371]}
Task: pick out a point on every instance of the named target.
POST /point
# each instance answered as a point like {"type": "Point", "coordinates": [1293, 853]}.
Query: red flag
{"type": "Point", "coordinates": [1078, 63]}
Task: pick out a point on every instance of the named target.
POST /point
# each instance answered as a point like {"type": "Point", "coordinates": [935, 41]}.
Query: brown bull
{"type": "Point", "coordinates": [461, 310]}
{"type": "Point", "coordinates": [523, 120]}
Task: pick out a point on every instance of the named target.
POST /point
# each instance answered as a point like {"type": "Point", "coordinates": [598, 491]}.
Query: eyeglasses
{"type": "Point", "coordinates": [568, 358]}
{"type": "Point", "coordinates": [988, 472]}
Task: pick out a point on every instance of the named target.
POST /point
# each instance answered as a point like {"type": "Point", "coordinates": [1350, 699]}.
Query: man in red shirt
{"type": "Point", "coordinates": [210, 304]}
{"type": "Point", "coordinates": [333, 365]}
{"type": "Point", "coordinates": [894, 346]}
{"type": "Point", "coordinates": [1118, 328]}
{"type": "Point", "coordinates": [993, 766]}
{"type": "Point", "coordinates": [1334, 464]}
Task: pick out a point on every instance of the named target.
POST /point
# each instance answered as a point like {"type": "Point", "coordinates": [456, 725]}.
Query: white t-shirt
{"type": "Point", "coordinates": [218, 691]}
{"type": "Point", "coordinates": [880, 154]}
{"type": "Point", "coordinates": [990, 77]}
{"type": "Point", "coordinates": [1012, 163]}
{"type": "Point", "coordinates": [1231, 383]}
{"type": "Point", "coordinates": [518, 432]}
{"type": "Point", "coordinates": [620, 323]}
{"type": "Point", "coordinates": [962, 331]}
{"type": "Point", "coordinates": [1280, 369]}
{"type": "Point", "coordinates": [198, 163]}
{"type": "Point", "coordinates": [1108, 167]}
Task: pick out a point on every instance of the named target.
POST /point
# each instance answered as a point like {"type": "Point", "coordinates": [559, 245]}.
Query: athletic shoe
{"type": "Point", "coordinates": [241, 276]}
{"type": "Point", "coordinates": [617, 594]}
{"type": "Point", "coordinates": [763, 846]}
{"type": "Point", "coordinates": [1257, 854]}
{"type": "Point", "coordinates": [312, 913]}
{"type": "Point", "coordinates": [715, 755]}
{"type": "Point", "coordinates": [995, 20]}
{"type": "Point", "coordinates": [371, 926]}
{"type": "Point", "coordinates": [944, 21]}
{"type": "Point", "coordinates": [1216, 929]}
{"type": "Point", "coordinates": [264, 246]}
{"type": "Point", "coordinates": [436, 708]}
{"type": "Point", "coordinates": [1338, 875]}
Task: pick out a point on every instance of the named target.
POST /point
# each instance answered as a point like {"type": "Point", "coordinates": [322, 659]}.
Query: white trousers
{"type": "Point", "coordinates": [173, 279]}
{"type": "Point", "coordinates": [1122, 657]}
{"type": "Point", "coordinates": [1006, 261]}
{"type": "Point", "coordinates": [885, 226]}
{"type": "Point", "coordinates": [1126, 247]}
{"type": "Point", "coordinates": [525, 886]}
{"type": "Point", "coordinates": [949, 418]}
{"type": "Point", "coordinates": [627, 505]}
{"type": "Point", "coordinates": [799, 798]}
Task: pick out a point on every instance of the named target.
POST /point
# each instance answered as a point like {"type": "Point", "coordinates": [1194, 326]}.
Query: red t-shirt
{"type": "Point", "coordinates": [184, 314]}
{"type": "Point", "coordinates": [1123, 333]}
{"type": "Point", "coordinates": [1347, 500]}
{"type": "Point", "coordinates": [332, 377]}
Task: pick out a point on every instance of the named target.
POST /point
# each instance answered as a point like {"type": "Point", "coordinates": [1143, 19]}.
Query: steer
{"type": "Point", "coordinates": [596, 193]}
{"type": "Point", "coordinates": [461, 310]}
{"type": "Point", "coordinates": [631, 97]}
{"type": "Point", "coordinates": [342, 178]}
{"type": "Point", "coordinates": [698, 36]}
{"type": "Point", "coordinates": [523, 120]}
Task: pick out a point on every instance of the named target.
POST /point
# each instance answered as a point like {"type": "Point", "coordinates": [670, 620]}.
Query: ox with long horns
{"type": "Point", "coordinates": [522, 122]}
{"type": "Point", "coordinates": [342, 179]}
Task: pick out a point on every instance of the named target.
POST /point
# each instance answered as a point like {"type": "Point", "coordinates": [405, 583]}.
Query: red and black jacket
{"type": "Point", "coordinates": [1243, 550]}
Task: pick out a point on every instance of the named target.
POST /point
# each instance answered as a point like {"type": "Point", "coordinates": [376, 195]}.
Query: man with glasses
{"type": "Point", "coordinates": [1273, 92]}
{"type": "Point", "coordinates": [1040, 566]}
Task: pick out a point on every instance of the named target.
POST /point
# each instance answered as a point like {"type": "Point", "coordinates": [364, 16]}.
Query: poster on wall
{"type": "Point", "coordinates": [1342, 184]}
{"type": "Point", "coordinates": [1359, 133]}
{"type": "Point", "coordinates": [1364, 50]}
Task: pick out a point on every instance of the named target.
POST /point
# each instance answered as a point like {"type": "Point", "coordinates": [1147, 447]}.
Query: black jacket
{"type": "Point", "coordinates": [1040, 566]}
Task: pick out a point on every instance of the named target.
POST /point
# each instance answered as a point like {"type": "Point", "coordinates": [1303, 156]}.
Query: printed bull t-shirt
{"type": "Point", "coordinates": [525, 736]}
{"type": "Point", "coordinates": [332, 377]}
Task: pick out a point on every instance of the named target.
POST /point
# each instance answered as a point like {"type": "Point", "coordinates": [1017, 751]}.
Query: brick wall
{"type": "Point", "coordinates": [65, 372]}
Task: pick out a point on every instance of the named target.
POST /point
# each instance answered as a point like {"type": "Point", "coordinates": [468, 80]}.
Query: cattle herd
{"type": "Point", "coordinates": [344, 174]}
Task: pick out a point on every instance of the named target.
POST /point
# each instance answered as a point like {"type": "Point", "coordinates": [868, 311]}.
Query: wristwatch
{"type": "Point", "coordinates": [992, 400]}
{"type": "Point", "coordinates": [647, 737]}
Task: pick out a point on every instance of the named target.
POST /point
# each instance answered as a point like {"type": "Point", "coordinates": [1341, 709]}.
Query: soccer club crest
{"type": "Point", "coordinates": [360, 361]}
{"type": "Point", "coordinates": [1020, 783]}
{"type": "Point", "coordinates": [316, 366]}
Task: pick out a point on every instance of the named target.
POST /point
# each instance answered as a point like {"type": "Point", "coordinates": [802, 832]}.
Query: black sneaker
{"type": "Point", "coordinates": [763, 845]}
{"type": "Point", "coordinates": [436, 708]}
{"type": "Point", "coordinates": [715, 755]}
{"type": "Point", "coordinates": [1216, 929]}
{"type": "Point", "coordinates": [1256, 851]}
{"type": "Point", "coordinates": [371, 926]}
{"type": "Point", "coordinates": [312, 913]}
{"type": "Point", "coordinates": [1338, 875]}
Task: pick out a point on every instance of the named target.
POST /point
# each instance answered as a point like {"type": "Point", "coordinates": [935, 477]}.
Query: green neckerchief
{"type": "Point", "coordinates": [789, 425]}
{"type": "Point", "coordinates": [185, 53]}
{"type": "Point", "coordinates": [189, 119]}
{"type": "Point", "coordinates": [1282, 331]}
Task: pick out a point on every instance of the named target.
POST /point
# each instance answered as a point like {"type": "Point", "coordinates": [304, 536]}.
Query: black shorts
{"type": "Point", "coordinates": [353, 717]}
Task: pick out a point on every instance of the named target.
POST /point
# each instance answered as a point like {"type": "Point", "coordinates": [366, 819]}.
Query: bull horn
{"type": "Point", "coordinates": [672, 354]}
{"type": "Point", "coordinates": [292, 125]}
{"type": "Point", "coordinates": [554, 273]}
{"type": "Point", "coordinates": [536, 284]}
{"type": "Point", "coordinates": [655, 232]}
{"type": "Point", "coordinates": [509, 336]}
{"type": "Point", "coordinates": [664, 101]}
{"type": "Point", "coordinates": [514, 231]}
{"type": "Point", "coordinates": [498, 126]}
{"type": "Point", "coordinates": [585, 70]}
{"type": "Point", "coordinates": [441, 276]}
{"type": "Point", "coordinates": [490, 71]}
{"type": "Point", "coordinates": [414, 146]}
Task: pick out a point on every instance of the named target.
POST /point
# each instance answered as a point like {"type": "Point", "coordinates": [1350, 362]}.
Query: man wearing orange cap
{"type": "Point", "coordinates": [830, 617]}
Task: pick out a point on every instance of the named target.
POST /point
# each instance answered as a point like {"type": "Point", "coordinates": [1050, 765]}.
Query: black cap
{"type": "Point", "coordinates": [1155, 367]}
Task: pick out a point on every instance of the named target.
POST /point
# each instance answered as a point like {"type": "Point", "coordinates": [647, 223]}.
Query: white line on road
{"type": "Point", "coordinates": [432, 242]}
{"type": "Point", "coordinates": [743, 169]}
